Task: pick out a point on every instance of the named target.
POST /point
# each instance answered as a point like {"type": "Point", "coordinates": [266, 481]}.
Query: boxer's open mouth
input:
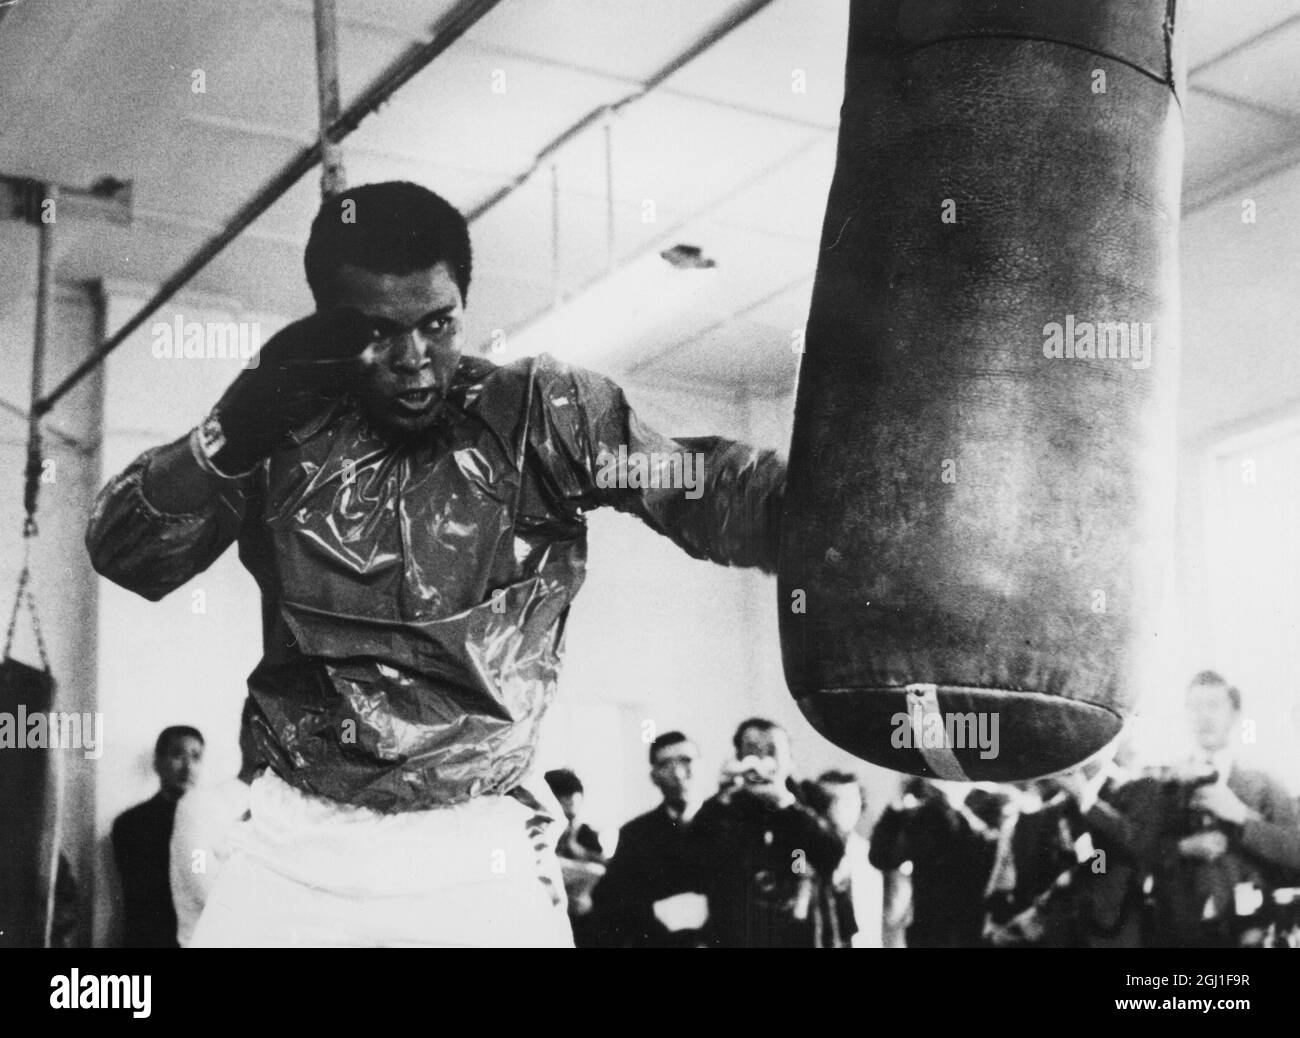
{"type": "Point", "coordinates": [416, 401]}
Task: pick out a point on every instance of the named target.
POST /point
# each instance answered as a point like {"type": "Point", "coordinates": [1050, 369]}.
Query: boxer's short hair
{"type": "Point", "coordinates": [391, 228]}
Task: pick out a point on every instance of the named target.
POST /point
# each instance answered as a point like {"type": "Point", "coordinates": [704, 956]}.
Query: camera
{"type": "Point", "coordinates": [750, 771]}
{"type": "Point", "coordinates": [1193, 820]}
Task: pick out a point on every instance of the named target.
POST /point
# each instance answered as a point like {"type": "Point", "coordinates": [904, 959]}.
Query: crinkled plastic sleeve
{"type": "Point", "coordinates": [715, 498]}
{"type": "Point", "coordinates": [150, 552]}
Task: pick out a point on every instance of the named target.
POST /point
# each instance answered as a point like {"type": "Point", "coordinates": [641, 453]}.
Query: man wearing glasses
{"type": "Point", "coordinates": [414, 519]}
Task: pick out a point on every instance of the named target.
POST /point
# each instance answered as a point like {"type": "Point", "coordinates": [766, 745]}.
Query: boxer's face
{"type": "Point", "coordinates": [416, 324]}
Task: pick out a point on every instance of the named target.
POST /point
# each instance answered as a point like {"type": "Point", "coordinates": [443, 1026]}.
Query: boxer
{"type": "Point", "coordinates": [415, 521]}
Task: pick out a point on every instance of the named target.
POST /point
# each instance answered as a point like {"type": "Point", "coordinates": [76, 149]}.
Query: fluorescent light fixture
{"type": "Point", "coordinates": [621, 310]}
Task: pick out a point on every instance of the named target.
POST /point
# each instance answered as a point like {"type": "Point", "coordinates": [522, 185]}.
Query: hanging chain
{"type": "Point", "coordinates": [42, 200]}
{"type": "Point", "coordinates": [31, 496]}
{"type": "Point", "coordinates": [24, 593]}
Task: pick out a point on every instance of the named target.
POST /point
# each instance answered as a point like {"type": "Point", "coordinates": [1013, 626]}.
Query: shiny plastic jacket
{"type": "Point", "coordinates": [414, 598]}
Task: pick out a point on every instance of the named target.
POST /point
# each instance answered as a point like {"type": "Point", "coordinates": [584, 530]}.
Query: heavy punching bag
{"type": "Point", "coordinates": [980, 495]}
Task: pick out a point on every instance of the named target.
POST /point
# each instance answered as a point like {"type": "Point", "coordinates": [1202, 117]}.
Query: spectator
{"type": "Point", "coordinates": [1205, 827]}
{"type": "Point", "coordinates": [650, 896]}
{"type": "Point", "coordinates": [579, 841]}
{"type": "Point", "coordinates": [764, 853]}
{"type": "Point", "coordinates": [856, 890]}
{"type": "Point", "coordinates": [582, 859]}
{"type": "Point", "coordinates": [1110, 883]}
{"type": "Point", "coordinates": [950, 836]}
{"type": "Point", "coordinates": [206, 819]}
{"type": "Point", "coordinates": [1033, 892]}
{"type": "Point", "coordinates": [142, 842]}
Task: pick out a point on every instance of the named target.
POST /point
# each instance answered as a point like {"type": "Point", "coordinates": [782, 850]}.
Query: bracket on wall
{"type": "Point", "coordinates": [108, 198]}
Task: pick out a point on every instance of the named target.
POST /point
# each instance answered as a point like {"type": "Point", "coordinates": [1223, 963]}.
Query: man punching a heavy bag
{"type": "Point", "coordinates": [414, 519]}
{"type": "Point", "coordinates": [980, 491]}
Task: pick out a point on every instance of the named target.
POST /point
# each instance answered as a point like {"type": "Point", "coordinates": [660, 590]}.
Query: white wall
{"type": "Point", "coordinates": [1241, 374]}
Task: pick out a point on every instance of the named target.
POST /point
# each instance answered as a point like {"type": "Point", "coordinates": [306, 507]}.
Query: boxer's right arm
{"type": "Point", "coordinates": [177, 508]}
{"type": "Point", "coordinates": [174, 481]}
{"type": "Point", "coordinates": [163, 520]}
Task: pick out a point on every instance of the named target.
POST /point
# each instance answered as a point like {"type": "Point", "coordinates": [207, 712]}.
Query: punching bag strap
{"type": "Point", "coordinates": [922, 705]}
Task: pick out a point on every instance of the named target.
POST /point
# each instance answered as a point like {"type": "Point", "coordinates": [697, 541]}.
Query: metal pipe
{"type": "Point", "coordinates": [49, 211]}
{"type": "Point", "coordinates": [555, 231]}
{"type": "Point", "coordinates": [703, 43]}
{"type": "Point", "coordinates": [456, 24]}
{"type": "Point", "coordinates": [459, 21]}
{"type": "Point", "coordinates": [609, 197]}
{"type": "Point", "coordinates": [332, 178]}
{"type": "Point", "coordinates": [76, 444]}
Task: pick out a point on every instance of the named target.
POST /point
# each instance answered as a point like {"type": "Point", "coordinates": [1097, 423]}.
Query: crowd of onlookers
{"type": "Point", "coordinates": [1204, 853]}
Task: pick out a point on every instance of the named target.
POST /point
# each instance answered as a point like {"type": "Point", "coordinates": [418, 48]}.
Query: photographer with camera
{"type": "Point", "coordinates": [1205, 830]}
{"type": "Point", "coordinates": [764, 852]}
{"type": "Point", "coordinates": [948, 832]}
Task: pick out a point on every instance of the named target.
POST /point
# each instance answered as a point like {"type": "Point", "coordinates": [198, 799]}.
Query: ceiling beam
{"type": "Point", "coordinates": [1244, 45]}
{"type": "Point", "coordinates": [398, 74]}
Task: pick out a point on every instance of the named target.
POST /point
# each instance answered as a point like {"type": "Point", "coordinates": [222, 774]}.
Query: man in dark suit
{"type": "Point", "coordinates": [768, 854]}
{"type": "Point", "coordinates": [1109, 895]}
{"type": "Point", "coordinates": [1205, 826]}
{"type": "Point", "coordinates": [950, 835]}
{"type": "Point", "coordinates": [142, 842]}
{"type": "Point", "coordinates": [649, 897]}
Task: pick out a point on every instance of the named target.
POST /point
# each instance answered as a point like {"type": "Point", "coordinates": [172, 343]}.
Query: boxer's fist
{"type": "Point", "coordinates": [296, 374]}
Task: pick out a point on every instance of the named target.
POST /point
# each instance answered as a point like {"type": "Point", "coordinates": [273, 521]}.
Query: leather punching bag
{"type": "Point", "coordinates": [980, 494]}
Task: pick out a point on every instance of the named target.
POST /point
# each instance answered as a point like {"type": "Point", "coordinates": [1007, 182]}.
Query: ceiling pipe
{"type": "Point", "coordinates": [711, 36]}
{"type": "Point", "coordinates": [448, 30]}
{"type": "Point", "coordinates": [332, 177]}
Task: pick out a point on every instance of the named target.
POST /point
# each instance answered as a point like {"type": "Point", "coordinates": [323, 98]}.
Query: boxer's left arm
{"type": "Point", "coordinates": [715, 498]}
